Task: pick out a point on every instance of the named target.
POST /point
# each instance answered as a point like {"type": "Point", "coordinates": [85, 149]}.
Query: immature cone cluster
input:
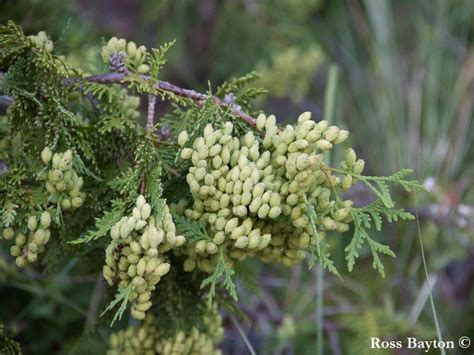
{"type": "Point", "coordinates": [149, 340]}
{"type": "Point", "coordinates": [135, 254]}
{"type": "Point", "coordinates": [250, 191]}
{"type": "Point", "coordinates": [42, 41]}
{"type": "Point", "coordinates": [120, 55]}
{"type": "Point", "coordinates": [62, 178]}
{"type": "Point", "coordinates": [27, 247]}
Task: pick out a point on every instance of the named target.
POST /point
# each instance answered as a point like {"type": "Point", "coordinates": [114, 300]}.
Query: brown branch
{"type": "Point", "coordinates": [198, 97]}
{"type": "Point", "coordinates": [111, 78]}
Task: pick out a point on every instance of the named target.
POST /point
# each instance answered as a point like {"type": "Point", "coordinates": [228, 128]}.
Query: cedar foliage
{"type": "Point", "coordinates": [54, 105]}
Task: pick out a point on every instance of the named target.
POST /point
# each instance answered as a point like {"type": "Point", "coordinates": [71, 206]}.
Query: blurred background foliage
{"type": "Point", "coordinates": [405, 90]}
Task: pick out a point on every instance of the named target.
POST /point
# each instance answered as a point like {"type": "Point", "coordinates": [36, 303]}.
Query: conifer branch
{"type": "Point", "coordinates": [112, 78]}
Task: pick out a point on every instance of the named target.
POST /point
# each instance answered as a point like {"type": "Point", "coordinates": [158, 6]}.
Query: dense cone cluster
{"type": "Point", "coordinates": [149, 340]}
{"type": "Point", "coordinates": [249, 191]}
{"type": "Point", "coordinates": [63, 186]}
{"type": "Point", "coordinates": [28, 246]}
{"type": "Point", "coordinates": [62, 179]}
{"type": "Point", "coordinates": [121, 55]}
{"type": "Point", "coordinates": [135, 254]}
